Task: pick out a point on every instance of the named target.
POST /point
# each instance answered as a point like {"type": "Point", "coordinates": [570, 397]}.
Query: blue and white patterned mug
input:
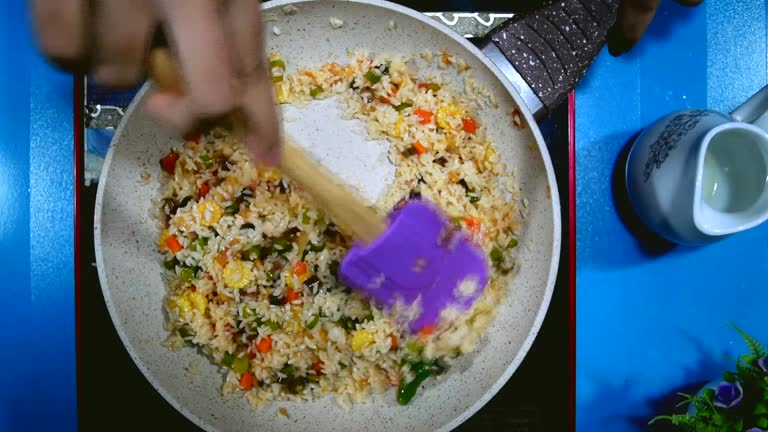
{"type": "Point", "coordinates": [696, 176]}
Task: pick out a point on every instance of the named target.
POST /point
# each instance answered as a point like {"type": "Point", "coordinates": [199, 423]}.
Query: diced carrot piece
{"type": "Point", "coordinates": [420, 149]}
{"type": "Point", "coordinates": [168, 162]}
{"type": "Point", "coordinates": [385, 100]}
{"type": "Point", "coordinates": [264, 345]}
{"type": "Point", "coordinates": [424, 116]}
{"type": "Point", "coordinates": [300, 269]}
{"type": "Point", "coordinates": [291, 295]}
{"type": "Point", "coordinates": [251, 355]}
{"type": "Point", "coordinates": [173, 244]}
{"type": "Point", "coordinates": [223, 258]}
{"type": "Point", "coordinates": [469, 125]}
{"type": "Point", "coordinates": [473, 225]}
{"type": "Point", "coordinates": [427, 330]}
{"type": "Point", "coordinates": [246, 381]}
{"type": "Point", "coordinates": [318, 367]}
{"type": "Point", "coordinates": [204, 189]}
{"type": "Point", "coordinates": [308, 73]}
{"type": "Point", "coordinates": [393, 338]}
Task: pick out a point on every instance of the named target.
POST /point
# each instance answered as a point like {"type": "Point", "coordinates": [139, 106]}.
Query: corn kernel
{"type": "Point", "coordinates": [446, 113]}
{"type": "Point", "coordinates": [398, 129]}
{"type": "Point", "coordinates": [181, 304]}
{"type": "Point", "coordinates": [237, 274]}
{"type": "Point", "coordinates": [198, 301]}
{"type": "Point", "coordinates": [280, 94]}
{"type": "Point", "coordinates": [161, 240]}
{"type": "Point", "coordinates": [210, 212]}
{"type": "Point", "coordinates": [361, 339]}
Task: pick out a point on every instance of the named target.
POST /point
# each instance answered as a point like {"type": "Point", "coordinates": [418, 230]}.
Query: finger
{"type": "Point", "coordinates": [262, 138]}
{"type": "Point", "coordinates": [173, 110]}
{"type": "Point", "coordinates": [62, 29]}
{"type": "Point", "coordinates": [633, 18]}
{"type": "Point", "coordinates": [195, 28]}
{"type": "Point", "coordinates": [262, 121]}
{"type": "Point", "coordinates": [121, 40]}
{"type": "Point", "coordinates": [245, 32]}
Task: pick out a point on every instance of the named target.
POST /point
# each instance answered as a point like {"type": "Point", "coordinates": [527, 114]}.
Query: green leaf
{"type": "Point", "coordinates": [756, 349]}
{"type": "Point", "coordinates": [761, 408]}
{"type": "Point", "coordinates": [739, 425]}
{"type": "Point", "coordinates": [729, 376]}
{"type": "Point", "coordinates": [709, 394]}
{"type": "Point", "coordinates": [762, 422]}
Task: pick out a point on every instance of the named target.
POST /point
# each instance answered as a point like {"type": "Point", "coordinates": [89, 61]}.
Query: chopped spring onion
{"type": "Point", "coordinates": [429, 86]}
{"type": "Point", "coordinates": [403, 106]}
{"type": "Point", "coordinates": [248, 312]}
{"type": "Point", "coordinates": [407, 390]}
{"type": "Point", "coordinates": [372, 77]}
{"type": "Point", "coordinates": [241, 364]}
{"type": "Point", "coordinates": [247, 225]}
{"type": "Point", "coordinates": [305, 219]}
{"type": "Point", "coordinates": [315, 92]}
{"type": "Point", "coordinates": [316, 247]}
{"type": "Point", "coordinates": [410, 151]}
{"type": "Point", "coordinates": [288, 369]}
{"type": "Point", "coordinates": [313, 322]}
{"type": "Point", "coordinates": [512, 243]}
{"type": "Point", "coordinates": [206, 160]}
{"type": "Point", "coordinates": [277, 70]}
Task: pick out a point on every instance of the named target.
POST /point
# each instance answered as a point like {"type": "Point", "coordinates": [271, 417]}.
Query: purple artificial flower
{"type": "Point", "coordinates": [728, 395]}
{"type": "Point", "coordinates": [763, 363]}
{"type": "Point", "coordinates": [755, 430]}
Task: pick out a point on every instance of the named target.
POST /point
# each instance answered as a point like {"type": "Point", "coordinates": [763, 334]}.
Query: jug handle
{"type": "Point", "coordinates": [754, 110]}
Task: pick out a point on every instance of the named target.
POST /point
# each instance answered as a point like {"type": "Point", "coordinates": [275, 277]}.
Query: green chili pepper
{"type": "Point", "coordinates": [422, 371]}
{"type": "Point", "coordinates": [313, 323]}
{"type": "Point", "coordinates": [227, 359]}
{"type": "Point", "coordinates": [252, 253]}
{"type": "Point", "coordinates": [206, 160]}
{"type": "Point", "coordinates": [403, 106]}
{"type": "Point", "coordinates": [372, 77]}
{"type": "Point", "coordinates": [496, 254]}
{"type": "Point", "coordinates": [170, 264]}
{"type": "Point", "coordinates": [512, 243]}
{"type": "Point", "coordinates": [199, 243]}
{"type": "Point", "coordinates": [272, 325]}
{"type": "Point", "coordinates": [288, 370]}
{"type": "Point", "coordinates": [232, 208]}
{"type": "Point", "coordinates": [241, 364]}
{"type": "Point", "coordinates": [282, 246]}
{"type": "Point", "coordinates": [187, 274]}
{"type": "Point", "coordinates": [186, 332]}
{"type": "Point", "coordinates": [315, 92]}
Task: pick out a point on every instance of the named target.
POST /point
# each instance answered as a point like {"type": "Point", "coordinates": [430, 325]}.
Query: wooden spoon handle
{"type": "Point", "coordinates": [344, 206]}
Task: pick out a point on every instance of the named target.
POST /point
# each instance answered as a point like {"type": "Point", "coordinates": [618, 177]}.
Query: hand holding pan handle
{"type": "Point", "coordinates": [545, 52]}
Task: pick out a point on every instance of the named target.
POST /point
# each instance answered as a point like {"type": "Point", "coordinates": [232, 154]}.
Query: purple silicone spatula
{"type": "Point", "coordinates": [416, 259]}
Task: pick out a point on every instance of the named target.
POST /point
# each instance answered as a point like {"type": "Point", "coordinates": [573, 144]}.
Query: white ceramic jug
{"type": "Point", "coordinates": [696, 176]}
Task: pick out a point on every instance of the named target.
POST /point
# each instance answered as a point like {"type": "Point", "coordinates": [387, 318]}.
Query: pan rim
{"type": "Point", "coordinates": [556, 245]}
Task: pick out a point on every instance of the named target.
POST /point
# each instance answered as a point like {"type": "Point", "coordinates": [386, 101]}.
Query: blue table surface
{"type": "Point", "coordinates": [645, 324]}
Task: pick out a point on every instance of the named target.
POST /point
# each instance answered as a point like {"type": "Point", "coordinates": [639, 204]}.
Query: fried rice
{"type": "Point", "coordinates": [251, 264]}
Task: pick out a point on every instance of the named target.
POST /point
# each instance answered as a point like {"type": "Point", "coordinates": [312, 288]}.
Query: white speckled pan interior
{"type": "Point", "coordinates": [130, 269]}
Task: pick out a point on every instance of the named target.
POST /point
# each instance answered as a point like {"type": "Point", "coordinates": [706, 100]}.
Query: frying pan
{"type": "Point", "coordinates": [528, 63]}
